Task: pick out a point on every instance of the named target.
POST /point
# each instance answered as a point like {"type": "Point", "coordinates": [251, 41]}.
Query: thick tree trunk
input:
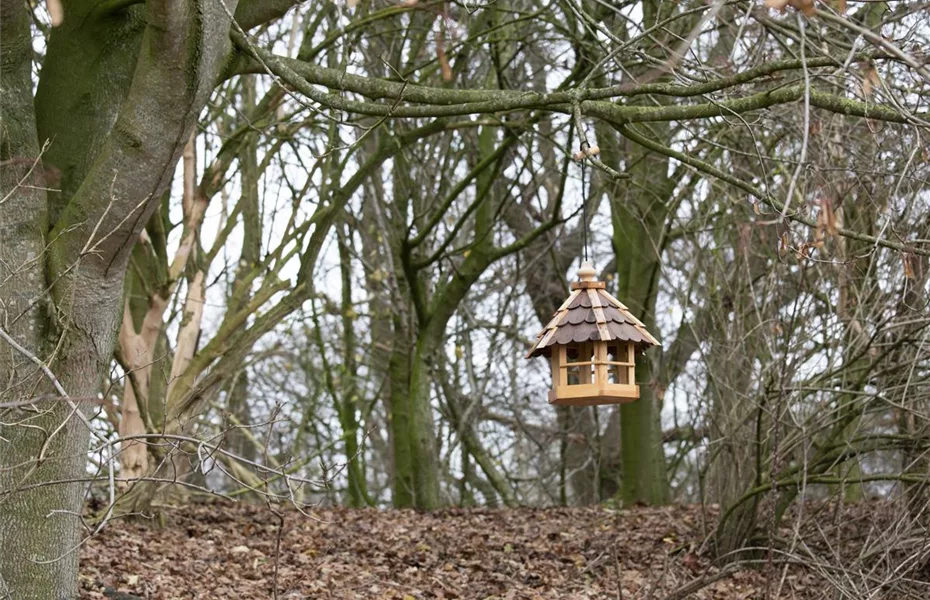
{"type": "Point", "coordinates": [117, 126]}
{"type": "Point", "coordinates": [416, 472]}
{"type": "Point", "coordinates": [392, 314]}
{"type": "Point", "coordinates": [33, 446]}
{"type": "Point", "coordinates": [643, 458]}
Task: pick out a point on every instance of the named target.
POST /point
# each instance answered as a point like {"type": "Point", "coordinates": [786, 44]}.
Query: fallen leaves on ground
{"type": "Point", "coordinates": [221, 551]}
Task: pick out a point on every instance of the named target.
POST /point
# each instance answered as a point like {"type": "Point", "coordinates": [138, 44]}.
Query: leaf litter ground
{"type": "Point", "coordinates": [221, 551]}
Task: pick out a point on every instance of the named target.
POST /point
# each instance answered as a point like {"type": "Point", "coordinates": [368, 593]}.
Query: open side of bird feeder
{"type": "Point", "coordinates": [592, 342]}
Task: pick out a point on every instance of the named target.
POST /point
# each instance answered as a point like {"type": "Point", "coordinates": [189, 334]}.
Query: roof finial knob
{"type": "Point", "coordinates": [586, 272]}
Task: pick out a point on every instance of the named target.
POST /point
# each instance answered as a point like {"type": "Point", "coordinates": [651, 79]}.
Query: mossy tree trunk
{"type": "Point", "coordinates": [119, 92]}
{"type": "Point", "coordinates": [639, 211]}
{"type": "Point", "coordinates": [637, 247]}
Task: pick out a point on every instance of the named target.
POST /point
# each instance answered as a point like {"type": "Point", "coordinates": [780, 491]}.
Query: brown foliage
{"type": "Point", "coordinates": [217, 551]}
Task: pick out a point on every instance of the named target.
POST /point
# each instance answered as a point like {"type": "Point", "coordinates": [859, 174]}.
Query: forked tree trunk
{"type": "Point", "coordinates": [118, 96]}
{"type": "Point", "coordinates": [143, 493]}
{"type": "Point", "coordinates": [137, 349]}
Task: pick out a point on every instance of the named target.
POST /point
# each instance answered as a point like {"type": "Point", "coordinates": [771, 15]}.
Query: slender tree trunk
{"type": "Point", "coordinates": [138, 353]}
{"type": "Point", "coordinates": [421, 430]}
{"type": "Point", "coordinates": [357, 493]}
{"type": "Point", "coordinates": [136, 346]}
{"type": "Point", "coordinates": [249, 258]}
{"type": "Point", "coordinates": [638, 223]}
{"type": "Point", "coordinates": [579, 455]}
{"type": "Point", "coordinates": [399, 419]}
{"type": "Point", "coordinates": [462, 419]}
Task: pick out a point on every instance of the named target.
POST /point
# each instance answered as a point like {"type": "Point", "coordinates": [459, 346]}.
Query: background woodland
{"type": "Point", "coordinates": [294, 253]}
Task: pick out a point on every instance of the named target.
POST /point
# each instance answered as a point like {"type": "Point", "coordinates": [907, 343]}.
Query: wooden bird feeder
{"type": "Point", "coordinates": [592, 342]}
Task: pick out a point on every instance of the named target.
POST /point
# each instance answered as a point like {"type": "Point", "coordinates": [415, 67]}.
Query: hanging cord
{"type": "Point", "coordinates": [584, 204]}
{"type": "Point", "coordinates": [587, 151]}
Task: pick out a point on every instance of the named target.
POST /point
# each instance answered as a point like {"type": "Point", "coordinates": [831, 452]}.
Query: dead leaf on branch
{"type": "Point", "coordinates": [826, 222]}
{"type": "Point", "coordinates": [816, 126]}
{"type": "Point", "coordinates": [805, 6]}
{"type": "Point", "coordinates": [908, 259]}
{"type": "Point", "coordinates": [804, 251]}
{"type": "Point", "coordinates": [870, 78]}
{"type": "Point", "coordinates": [783, 244]}
{"type": "Point", "coordinates": [441, 56]}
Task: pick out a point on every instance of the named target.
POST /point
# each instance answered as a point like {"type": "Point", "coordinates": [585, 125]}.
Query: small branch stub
{"type": "Point", "coordinates": [586, 152]}
{"type": "Point", "coordinates": [56, 12]}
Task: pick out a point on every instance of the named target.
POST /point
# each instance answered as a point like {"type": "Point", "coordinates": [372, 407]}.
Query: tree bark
{"type": "Point", "coordinates": [28, 529]}
{"type": "Point", "coordinates": [639, 216]}
{"type": "Point", "coordinates": [117, 136]}
{"type": "Point", "coordinates": [357, 493]}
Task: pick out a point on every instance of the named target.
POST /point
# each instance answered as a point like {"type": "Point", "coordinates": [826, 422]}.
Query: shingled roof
{"type": "Point", "coordinates": [590, 314]}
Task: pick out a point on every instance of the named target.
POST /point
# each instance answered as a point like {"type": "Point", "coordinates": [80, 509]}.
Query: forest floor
{"type": "Point", "coordinates": [221, 551]}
